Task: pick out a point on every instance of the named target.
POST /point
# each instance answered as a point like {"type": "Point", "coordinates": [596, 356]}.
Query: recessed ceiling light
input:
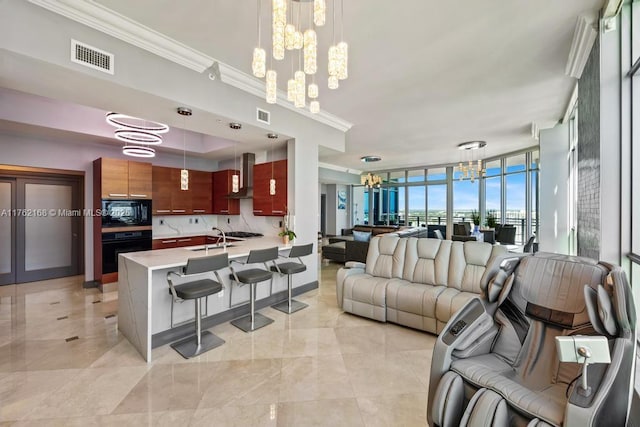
{"type": "Point", "coordinates": [234, 125]}
{"type": "Point", "coordinates": [272, 135]}
{"type": "Point", "coordinates": [184, 111]}
{"type": "Point", "coordinates": [369, 159]}
{"type": "Point", "coordinates": [471, 145]}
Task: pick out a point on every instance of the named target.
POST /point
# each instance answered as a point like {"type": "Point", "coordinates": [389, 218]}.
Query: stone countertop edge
{"type": "Point", "coordinates": [176, 257]}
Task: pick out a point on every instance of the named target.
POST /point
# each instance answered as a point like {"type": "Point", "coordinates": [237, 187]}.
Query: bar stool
{"type": "Point", "coordinates": [201, 342]}
{"type": "Point", "coordinates": [253, 276]}
{"type": "Point", "coordinates": [289, 268]}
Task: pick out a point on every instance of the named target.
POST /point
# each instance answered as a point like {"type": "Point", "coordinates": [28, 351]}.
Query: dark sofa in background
{"type": "Point", "coordinates": [347, 248]}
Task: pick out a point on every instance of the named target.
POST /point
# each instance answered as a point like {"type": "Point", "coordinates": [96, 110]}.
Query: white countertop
{"type": "Point", "coordinates": [169, 258]}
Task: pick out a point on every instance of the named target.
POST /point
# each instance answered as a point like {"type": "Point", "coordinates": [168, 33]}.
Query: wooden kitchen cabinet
{"type": "Point", "coordinates": [222, 185]}
{"type": "Point", "coordinates": [122, 179]}
{"type": "Point", "coordinates": [162, 184]}
{"type": "Point", "coordinates": [178, 242]}
{"type": "Point", "coordinates": [140, 180]}
{"type": "Point", "coordinates": [169, 199]}
{"type": "Point", "coordinates": [200, 185]}
{"type": "Point", "coordinates": [264, 204]}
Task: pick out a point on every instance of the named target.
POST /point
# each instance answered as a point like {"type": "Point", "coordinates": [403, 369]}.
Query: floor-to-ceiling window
{"type": "Point", "coordinates": [437, 196]}
{"type": "Point", "coordinates": [508, 192]}
{"type": "Point", "coordinates": [416, 198]}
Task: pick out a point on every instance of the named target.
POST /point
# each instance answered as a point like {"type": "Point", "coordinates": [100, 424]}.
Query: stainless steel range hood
{"type": "Point", "coordinates": [246, 177]}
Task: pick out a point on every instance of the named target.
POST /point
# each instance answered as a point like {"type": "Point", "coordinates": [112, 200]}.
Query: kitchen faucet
{"type": "Point", "coordinates": [224, 236]}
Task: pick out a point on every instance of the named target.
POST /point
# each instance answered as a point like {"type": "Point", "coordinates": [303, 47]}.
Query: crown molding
{"type": "Point", "coordinates": [98, 17]}
{"type": "Point", "coordinates": [583, 38]}
{"type": "Point", "coordinates": [243, 81]}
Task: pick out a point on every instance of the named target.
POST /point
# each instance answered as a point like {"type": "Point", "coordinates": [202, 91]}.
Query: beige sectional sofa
{"type": "Point", "coordinates": [416, 282]}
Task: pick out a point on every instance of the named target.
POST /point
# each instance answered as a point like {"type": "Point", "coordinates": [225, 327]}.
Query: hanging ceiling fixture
{"type": "Point", "coordinates": [370, 180]}
{"type": "Point", "coordinates": [235, 178]}
{"type": "Point", "coordinates": [184, 173]}
{"type": "Point", "coordinates": [287, 35]}
{"type": "Point", "coordinates": [141, 132]}
{"type": "Point", "coordinates": [470, 168]}
{"type": "Point", "coordinates": [272, 181]}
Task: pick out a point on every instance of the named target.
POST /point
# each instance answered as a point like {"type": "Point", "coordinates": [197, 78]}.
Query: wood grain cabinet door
{"type": "Point", "coordinates": [161, 203]}
{"type": "Point", "coordinates": [201, 184]}
{"type": "Point", "coordinates": [222, 183]}
{"type": "Point", "coordinates": [115, 178]}
{"type": "Point", "coordinates": [140, 180]}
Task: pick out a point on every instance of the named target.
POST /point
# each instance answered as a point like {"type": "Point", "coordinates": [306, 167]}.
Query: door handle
{"type": "Point", "coordinates": [138, 195]}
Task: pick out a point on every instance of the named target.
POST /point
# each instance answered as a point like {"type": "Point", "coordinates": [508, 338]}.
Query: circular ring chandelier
{"type": "Point", "coordinates": [138, 151]}
{"type": "Point", "coordinates": [134, 130]}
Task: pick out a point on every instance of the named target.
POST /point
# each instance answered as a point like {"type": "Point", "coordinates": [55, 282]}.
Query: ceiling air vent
{"type": "Point", "coordinates": [263, 116]}
{"type": "Point", "coordinates": [89, 56]}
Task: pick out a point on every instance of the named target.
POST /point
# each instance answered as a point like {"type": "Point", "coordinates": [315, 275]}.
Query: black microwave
{"type": "Point", "coordinates": [126, 213]}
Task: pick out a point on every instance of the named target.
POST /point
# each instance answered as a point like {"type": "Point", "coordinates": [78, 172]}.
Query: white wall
{"type": "Point", "coordinates": [554, 194]}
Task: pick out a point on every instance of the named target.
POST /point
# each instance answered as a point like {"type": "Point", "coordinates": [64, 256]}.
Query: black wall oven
{"type": "Point", "coordinates": [126, 213]}
{"type": "Point", "coordinates": [117, 243]}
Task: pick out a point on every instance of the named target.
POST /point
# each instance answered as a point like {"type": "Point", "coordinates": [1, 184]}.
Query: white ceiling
{"type": "Point", "coordinates": [424, 75]}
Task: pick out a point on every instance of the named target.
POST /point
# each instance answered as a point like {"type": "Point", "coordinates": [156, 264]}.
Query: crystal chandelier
{"type": "Point", "coordinates": [471, 168]}
{"type": "Point", "coordinates": [371, 181]}
{"type": "Point", "coordinates": [288, 36]}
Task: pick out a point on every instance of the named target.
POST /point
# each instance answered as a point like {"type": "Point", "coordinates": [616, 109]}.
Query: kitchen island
{"type": "Point", "coordinates": [144, 313]}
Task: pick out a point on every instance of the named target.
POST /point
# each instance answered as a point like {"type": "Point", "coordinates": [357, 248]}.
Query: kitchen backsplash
{"type": "Point", "coordinates": [189, 224]}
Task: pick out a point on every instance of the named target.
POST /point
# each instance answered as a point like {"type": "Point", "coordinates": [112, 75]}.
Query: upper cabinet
{"type": "Point", "coordinates": [123, 179]}
{"type": "Point", "coordinates": [169, 199]}
{"type": "Point", "coordinates": [265, 204]}
{"type": "Point", "coordinates": [200, 185]}
{"type": "Point", "coordinates": [222, 185]}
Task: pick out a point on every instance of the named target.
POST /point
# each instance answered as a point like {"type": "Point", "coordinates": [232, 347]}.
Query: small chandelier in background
{"type": "Point", "coordinates": [371, 181]}
{"type": "Point", "coordinates": [471, 168]}
{"type": "Point", "coordinates": [289, 36]}
{"type": "Point", "coordinates": [141, 132]}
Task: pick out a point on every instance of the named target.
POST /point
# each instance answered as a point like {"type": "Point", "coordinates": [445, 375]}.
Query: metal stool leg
{"type": "Point", "coordinates": [290, 305]}
{"type": "Point", "coordinates": [253, 320]}
{"type": "Point", "coordinates": [197, 344]}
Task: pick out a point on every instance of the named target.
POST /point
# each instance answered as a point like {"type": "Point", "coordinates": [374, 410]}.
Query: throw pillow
{"type": "Point", "coordinates": [361, 236]}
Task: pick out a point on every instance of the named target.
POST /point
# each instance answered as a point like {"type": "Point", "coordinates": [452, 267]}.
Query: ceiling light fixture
{"type": "Point", "coordinates": [138, 151]}
{"type": "Point", "coordinates": [235, 126]}
{"type": "Point", "coordinates": [471, 168]}
{"type": "Point", "coordinates": [133, 130]}
{"type": "Point", "coordinates": [184, 173]}
{"type": "Point", "coordinates": [369, 159]}
{"type": "Point", "coordinates": [272, 135]}
{"type": "Point", "coordinates": [287, 35]}
{"type": "Point", "coordinates": [370, 180]}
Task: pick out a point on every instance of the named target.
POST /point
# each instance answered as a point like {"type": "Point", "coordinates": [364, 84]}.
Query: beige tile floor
{"type": "Point", "coordinates": [316, 367]}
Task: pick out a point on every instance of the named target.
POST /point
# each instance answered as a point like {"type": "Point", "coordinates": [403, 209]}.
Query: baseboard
{"type": "Point", "coordinates": [171, 335]}
{"type": "Point", "coordinates": [88, 284]}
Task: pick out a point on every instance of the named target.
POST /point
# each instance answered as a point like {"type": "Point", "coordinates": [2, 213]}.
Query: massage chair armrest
{"type": "Point", "coordinates": [470, 331]}
{"type": "Point", "coordinates": [342, 274]}
{"type": "Point", "coordinates": [355, 264]}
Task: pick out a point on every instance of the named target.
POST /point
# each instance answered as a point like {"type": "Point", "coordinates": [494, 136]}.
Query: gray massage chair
{"type": "Point", "coordinates": [550, 343]}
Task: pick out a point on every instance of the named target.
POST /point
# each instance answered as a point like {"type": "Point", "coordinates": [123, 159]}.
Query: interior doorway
{"type": "Point", "coordinates": [41, 226]}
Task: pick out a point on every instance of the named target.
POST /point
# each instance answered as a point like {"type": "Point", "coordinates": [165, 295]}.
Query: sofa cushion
{"type": "Point", "coordinates": [385, 256]}
{"type": "Point", "coordinates": [413, 304]}
{"type": "Point", "coordinates": [427, 261]}
{"type": "Point", "coordinates": [361, 236]}
{"type": "Point", "coordinates": [365, 295]}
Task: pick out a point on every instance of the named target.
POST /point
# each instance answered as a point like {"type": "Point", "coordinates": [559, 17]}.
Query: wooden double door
{"type": "Point", "coordinates": [41, 220]}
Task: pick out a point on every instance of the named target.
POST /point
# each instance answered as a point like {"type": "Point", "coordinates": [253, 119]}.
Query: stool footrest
{"type": "Point", "coordinates": [188, 347]}
{"type": "Point", "coordinates": [244, 322]}
{"type": "Point", "coordinates": [295, 306]}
